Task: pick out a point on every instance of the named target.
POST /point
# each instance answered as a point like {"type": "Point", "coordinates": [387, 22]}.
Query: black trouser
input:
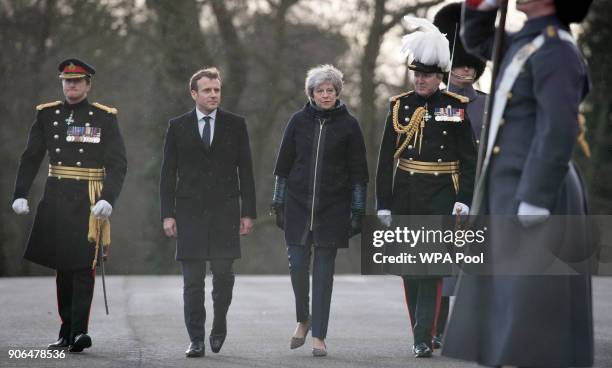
{"type": "Point", "coordinates": [423, 300]}
{"type": "Point", "coordinates": [74, 295]}
{"type": "Point", "coordinates": [443, 315]}
{"type": "Point", "coordinates": [194, 272]}
{"type": "Point", "coordinates": [322, 284]}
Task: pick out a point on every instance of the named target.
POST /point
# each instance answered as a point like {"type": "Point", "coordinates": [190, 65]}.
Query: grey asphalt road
{"type": "Point", "coordinates": [368, 326]}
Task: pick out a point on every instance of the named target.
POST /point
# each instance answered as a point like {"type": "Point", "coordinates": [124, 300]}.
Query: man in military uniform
{"type": "Point", "coordinates": [429, 133]}
{"type": "Point", "coordinates": [87, 165]}
{"type": "Point", "coordinates": [465, 71]}
{"type": "Point", "coordinates": [526, 320]}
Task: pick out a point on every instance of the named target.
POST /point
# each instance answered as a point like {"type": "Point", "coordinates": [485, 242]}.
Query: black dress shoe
{"type": "Point", "coordinates": [436, 341]}
{"type": "Point", "coordinates": [196, 349]}
{"type": "Point", "coordinates": [82, 341]}
{"type": "Point", "coordinates": [61, 343]}
{"type": "Point", "coordinates": [421, 350]}
{"type": "Point", "coordinates": [216, 342]}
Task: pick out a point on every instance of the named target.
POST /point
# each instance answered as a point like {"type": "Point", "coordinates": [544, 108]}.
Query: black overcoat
{"type": "Point", "coordinates": [207, 191]}
{"type": "Point", "coordinates": [322, 154]}
{"type": "Point", "coordinates": [58, 238]}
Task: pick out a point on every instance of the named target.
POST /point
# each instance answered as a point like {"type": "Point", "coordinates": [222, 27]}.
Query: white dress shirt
{"type": "Point", "coordinates": [213, 118]}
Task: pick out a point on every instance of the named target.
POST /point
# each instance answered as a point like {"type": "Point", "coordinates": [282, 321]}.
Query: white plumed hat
{"type": "Point", "coordinates": [427, 46]}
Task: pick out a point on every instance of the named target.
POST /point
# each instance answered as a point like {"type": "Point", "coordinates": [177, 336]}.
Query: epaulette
{"type": "Point", "coordinates": [456, 96]}
{"type": "Point", "coordinates": [395, 98]}
{"type": "Point", "coordinates": [48, 104]}
{"type": "Point", "coordinates": [108, 109]}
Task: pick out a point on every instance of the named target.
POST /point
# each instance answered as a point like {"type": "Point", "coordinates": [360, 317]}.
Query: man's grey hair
{"type": "Point", "coordinates": [321, 74]}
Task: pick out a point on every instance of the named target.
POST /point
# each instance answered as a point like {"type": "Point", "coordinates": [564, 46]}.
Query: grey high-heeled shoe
{"type": "Point", "coordinates": [317, 352]}
{"type": "Point", "coordinates": [296, 342]}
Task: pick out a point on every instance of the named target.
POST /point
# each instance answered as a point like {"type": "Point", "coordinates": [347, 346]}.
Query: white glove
{"type": "Point", "coordinates": [460, 209]}
{"type": "Point", "coordinates": [529, 215]}
{"type": "Point", "coordinates": [384, 216]}
{"type": "Point", "coordinates": [20, 206]}
{"type": "Point", "coordinates": [102, 209]}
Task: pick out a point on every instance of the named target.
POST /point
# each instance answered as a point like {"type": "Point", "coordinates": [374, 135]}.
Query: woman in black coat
{"type": "Point", "coordinates": [319, 196]}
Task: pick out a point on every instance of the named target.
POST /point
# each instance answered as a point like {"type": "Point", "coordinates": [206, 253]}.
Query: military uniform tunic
{"type": "Point", "coordinates": [81, 135]}
{"type": "Point", "coordinates": [446, 137]}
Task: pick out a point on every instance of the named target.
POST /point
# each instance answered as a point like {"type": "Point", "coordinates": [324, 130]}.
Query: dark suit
{"type": "Point", "coordinates": [203, 189]}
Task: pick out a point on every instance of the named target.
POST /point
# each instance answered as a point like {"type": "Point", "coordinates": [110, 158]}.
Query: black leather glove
{"type": "Point", "coordinates": [278, 201]}
{"type": "Point", "coordinates": [358, 200]}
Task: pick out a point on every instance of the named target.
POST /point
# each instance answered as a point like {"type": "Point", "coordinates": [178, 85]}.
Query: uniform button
{"type": "Point", "coordinates": [57, 112]}
{"type": "Point", "coordinates": [496, 150]}
{"type": "Point", "coordinates": [91, 113]}
{"type": "Point", "coordinates": [478, 141]}
{"type": "Point", "coordinates": [56, 136]}
{"type": "Point", "coordinates": [55, 123]}
{"type": "Point", "coordinates": [409, 146]}
{"type": "Point", "coordinates": [57, 150]}
{"type": "Point", "coordinates": [444, 132]}
{"type": "Point", "coordinates": [79, 163]}
{"type": "Point", "coordinates": [509, 95]}
{"type": "Point", "coordinates": [441, 147]}
{"type": "Point", "coordinates": [410, 158]}
{"type": "Point", "coordinates": [435, 174]}
{"type": "Point", "coordinates": [87, 124]}
{"type": "Point", "coordinates": [59, 178]}
{"type": "Point", "coordinates": [412, 173]}
{"type": "Point", "coordinates": [81, 150]}
{"type": "Point", "coordinates": [406, 107]}
{"type": "Point", "coordinates": [59, 163]}
{"type": "Point", "coordinates": [439, 160]}
{"type": "Point", "coordinates": [406, 119]}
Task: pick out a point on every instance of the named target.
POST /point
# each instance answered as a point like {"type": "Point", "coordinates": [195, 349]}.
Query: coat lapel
{"type": "Point", "coordinates": [219, 133]}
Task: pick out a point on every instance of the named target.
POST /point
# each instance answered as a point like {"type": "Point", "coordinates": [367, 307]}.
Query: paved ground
{"type": "Point", "coordinates": [368, 327]}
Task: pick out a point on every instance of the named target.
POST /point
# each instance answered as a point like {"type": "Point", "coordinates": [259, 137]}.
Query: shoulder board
{"type": "Point", "coordinates": [108, 109]}
{"type": "Point", "coordinates": [456, 96]}
{"type": "Point", "coordinates": [395, 98]}
{"type": "Point", "coordinates": [48, 104]}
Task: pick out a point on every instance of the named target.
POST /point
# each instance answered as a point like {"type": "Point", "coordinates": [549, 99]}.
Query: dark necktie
{"type": "Point", "coordinates": [206, 132]}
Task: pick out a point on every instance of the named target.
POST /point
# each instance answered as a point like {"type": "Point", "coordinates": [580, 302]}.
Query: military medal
{"type": "Point", "coordinates": [449, 114]}
{"type": "Point", "coordinates": [83, 134]}
{"type": "Point", "coordinates": [70, 119]}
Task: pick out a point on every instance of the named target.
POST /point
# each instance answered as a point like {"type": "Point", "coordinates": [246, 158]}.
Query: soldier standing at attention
{"type": "Point", "coordinates": [429, 133]}
{"type": "Point", "coordinates": [528, 320]}
{"type": "Point", "coordinates": [87, 165]}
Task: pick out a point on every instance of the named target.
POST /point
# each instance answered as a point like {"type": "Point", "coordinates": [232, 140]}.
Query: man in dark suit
{"type": "Point", "coordinates": [206, 175]}
{"type": "Point", "coordinates": [87, 166]}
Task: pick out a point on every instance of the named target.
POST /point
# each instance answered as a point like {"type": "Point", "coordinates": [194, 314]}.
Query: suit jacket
{"type": "Point", "coordinates": [207, 191]}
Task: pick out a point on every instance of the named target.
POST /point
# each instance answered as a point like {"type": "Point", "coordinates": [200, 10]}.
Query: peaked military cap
{"type": "Point", "coordinates": [74, 68]}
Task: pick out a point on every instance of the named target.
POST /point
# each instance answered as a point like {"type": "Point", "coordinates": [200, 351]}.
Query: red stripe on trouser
{"type": "Point", "coordinates": [407, 306]}
{"type": "Point", "coordinates": [437, 313]}
{"type": "Point", "coordinates": [57, 298]}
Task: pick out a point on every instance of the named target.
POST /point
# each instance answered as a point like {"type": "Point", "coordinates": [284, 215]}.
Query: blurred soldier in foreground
{"type": "Point", "coordinates": [465, 71]}
{"type": "Point", "coordinates": [528, 321]}
{"type": "Point", "coordinates": [87, 165]}
{"type": "Point", "coordinates": [429, 132]}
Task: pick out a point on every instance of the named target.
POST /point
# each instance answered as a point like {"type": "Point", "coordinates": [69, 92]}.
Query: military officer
{"type": "Point", "coordinates": [87, 165]}
{"type": "Point", "coordinates": [465, 72]}
{"type": "Point", "coordinates": [528, 320]}
{"type": "Point", "coordinates": [428, 131]}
